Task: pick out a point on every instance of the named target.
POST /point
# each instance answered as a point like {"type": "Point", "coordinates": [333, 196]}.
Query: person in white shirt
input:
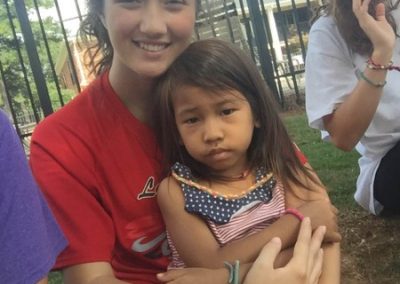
{"type": "Point", "coordinates": [352, 92]}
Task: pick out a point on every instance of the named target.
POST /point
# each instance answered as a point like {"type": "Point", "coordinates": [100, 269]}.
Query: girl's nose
{"type": "Point", "coordinates": [153, 19]}
{"type": "Point", "coordinates": [212, 132]}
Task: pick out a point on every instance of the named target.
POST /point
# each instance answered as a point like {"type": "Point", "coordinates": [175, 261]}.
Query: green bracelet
{"type": "Point", "coordinates": [361, 75]}
{"type": "Point", "coordinates": [233, 272]}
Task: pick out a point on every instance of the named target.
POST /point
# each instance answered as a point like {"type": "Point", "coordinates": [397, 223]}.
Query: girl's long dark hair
{"type": "Point", "coordinates": [214, 66]}
{"type": "Point", "coordinates": [348, 25]}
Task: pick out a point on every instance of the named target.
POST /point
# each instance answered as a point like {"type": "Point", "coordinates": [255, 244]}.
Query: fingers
{"type": "Point", "coordinates": [170, 275]}
{"type": "Point", "coordinates": [315, 246]}
{"type": "Point", "coordinates": [263, 266]}
{"type": "Point", "coordinates": [380, 12]}
{"type": "Point", "coordinates": [316, 268]}
{"type": "Point", "coordinates": [266, 258]}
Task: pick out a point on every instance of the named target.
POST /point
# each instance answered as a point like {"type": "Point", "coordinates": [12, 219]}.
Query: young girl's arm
{"type": "Point", "coordinates": [196, 244]}
{"type": "Point", "coordinates": [298, 196]}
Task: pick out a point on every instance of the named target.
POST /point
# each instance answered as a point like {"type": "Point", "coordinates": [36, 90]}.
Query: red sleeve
{"type": "Point", "coordinates": [302, 158]}
{"type": "Point", "coordinates": [64, 169]}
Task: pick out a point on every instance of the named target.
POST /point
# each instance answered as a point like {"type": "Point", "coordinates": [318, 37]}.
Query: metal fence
{"type": "Point", "coordinates": [42, 65]}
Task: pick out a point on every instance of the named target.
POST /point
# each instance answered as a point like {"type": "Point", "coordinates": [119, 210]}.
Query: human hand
{"type": "Point", "coordinates": [322, 213]}
{"type": "Point", "coordinates": [377, 28]}
{"type": "Point", "coordinates": [305, 267]}
{"type": "Point", "coordinates": [194, 275]}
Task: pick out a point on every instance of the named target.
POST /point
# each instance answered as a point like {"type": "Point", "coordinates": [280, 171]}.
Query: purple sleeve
{"type": "Point", "coordinates": [30, 238]}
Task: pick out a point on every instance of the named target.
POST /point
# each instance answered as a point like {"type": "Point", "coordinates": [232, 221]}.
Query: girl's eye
{"type": "Point", "coordinates": [130, 3]}
{"type": "Point", "coordinates": [175, 4]}
{"type": "Point", "coordinates": [227, 111]}
{"type": "Point", "coordinates": [191, 120]}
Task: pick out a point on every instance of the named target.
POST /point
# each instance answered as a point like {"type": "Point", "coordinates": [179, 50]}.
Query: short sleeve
{"type": "Point", "coordinates": [30, 237]}
{"type": "Point", "coordinates": [330, 73]}
{"type": "Point", "coordinates": [65, 170]}
{"type": "Point", "coordinates": [300, 155]}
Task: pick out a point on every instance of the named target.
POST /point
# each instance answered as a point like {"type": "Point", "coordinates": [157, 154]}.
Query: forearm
{"type": "Point", "coordinates": [90, 273]}
{"type": "Point", "coordinates": [246, 250]}
{"type": "Point", "coordinates": [351, 119]}
{"type": "Point", "coordinates": [331, 265]}
{"type": "Point", "coordinates": [348, 123]}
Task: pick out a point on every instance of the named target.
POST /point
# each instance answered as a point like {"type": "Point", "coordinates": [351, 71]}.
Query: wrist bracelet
{"type": "Point", "coordinates": [374, 66]}
{"type": "Point", "coordinates": [234, 270]}
{"type": "Point", "coordinates": [296, 213]}
{"type": "Point", "coordinates": [361, 75]}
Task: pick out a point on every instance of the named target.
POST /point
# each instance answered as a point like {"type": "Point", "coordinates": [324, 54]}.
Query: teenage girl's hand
{"type": "Point", "coordinates": [305, 267]}
{"type": "Point", "coordinates": [377, 29]}
{"type": "Point", "coordinates": [322, 213]}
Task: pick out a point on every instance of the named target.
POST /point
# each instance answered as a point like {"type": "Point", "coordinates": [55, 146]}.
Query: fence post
{"type": "Point", "coordinates": [260, 37]}
{"type": "Point", "coordinates": [33, 56]}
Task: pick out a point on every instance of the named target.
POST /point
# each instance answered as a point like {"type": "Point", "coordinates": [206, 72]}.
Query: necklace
{"type": "Point", "coordinates": [238, 177]}
{"type": "Point", "coordinates": [264, 179]}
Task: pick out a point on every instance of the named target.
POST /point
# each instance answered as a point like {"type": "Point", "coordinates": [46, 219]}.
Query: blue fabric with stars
{"type": "Point", "coordinates": [218, 208]}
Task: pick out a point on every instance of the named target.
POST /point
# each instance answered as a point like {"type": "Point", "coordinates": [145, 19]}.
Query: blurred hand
{"type": "Point", "coordinates": [377, 28]}
{"type": "Point", "coordinates": [305, 267]}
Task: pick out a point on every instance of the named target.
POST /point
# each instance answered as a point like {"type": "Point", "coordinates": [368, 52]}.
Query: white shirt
{"type": "Point", "coordinates": [330, 76]}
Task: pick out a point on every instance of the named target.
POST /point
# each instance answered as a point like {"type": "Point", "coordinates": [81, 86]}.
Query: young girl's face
{"type": "Point", "coordinates": [216, 128]}
{"type": "Point", "coordinates": [147, 35]}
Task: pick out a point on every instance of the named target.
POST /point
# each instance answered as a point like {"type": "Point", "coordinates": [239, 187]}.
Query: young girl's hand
{"type": "Point", "coordinates": [322, 213]}
{"type": "Point", "coordinates": [377, 29]}
{"type": "Point", "coordinates": [194, 276]}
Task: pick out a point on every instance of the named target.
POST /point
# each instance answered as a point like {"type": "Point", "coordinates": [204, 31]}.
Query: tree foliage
{"type": "Point", "coordinates": [13, 62]}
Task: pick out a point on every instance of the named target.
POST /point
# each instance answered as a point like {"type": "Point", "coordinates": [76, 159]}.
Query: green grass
{"type": "Point", "coordinates": [338, 170]}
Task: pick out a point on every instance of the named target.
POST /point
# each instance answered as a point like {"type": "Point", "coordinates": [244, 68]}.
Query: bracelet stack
{"type": "Point", "coordinates": [374, 66]}
{"type": "Point", "coordinates": [388, 67]}
{"type": "Point", "coordinates": [375, 84]}
{"type": "Point", "coordinates": [234, 270]}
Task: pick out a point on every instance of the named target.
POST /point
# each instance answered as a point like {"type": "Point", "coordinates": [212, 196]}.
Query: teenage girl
{"type": "Point", "coordinates": [235, 170]}
{"type": "Point", "coordinates": [352, 92]}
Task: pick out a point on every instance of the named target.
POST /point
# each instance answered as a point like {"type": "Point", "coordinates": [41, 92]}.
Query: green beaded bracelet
{"type": "Point", "coordinates": [233, 272]}
{"type": "Point", "coordinates": [361, 75]}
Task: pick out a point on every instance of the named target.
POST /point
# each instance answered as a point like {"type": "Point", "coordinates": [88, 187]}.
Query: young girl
{"type": "Point", "coordinates": [233, 161]}
{"type": "Point", "coordinates": [352, 91]}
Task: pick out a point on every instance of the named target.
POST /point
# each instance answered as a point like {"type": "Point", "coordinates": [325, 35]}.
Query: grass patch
{"type": "Point", "coordinates": [338, 170]}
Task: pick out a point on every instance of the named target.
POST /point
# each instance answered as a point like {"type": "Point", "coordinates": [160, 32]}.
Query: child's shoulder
{"type": "Point", "coordinates": [169, 190]}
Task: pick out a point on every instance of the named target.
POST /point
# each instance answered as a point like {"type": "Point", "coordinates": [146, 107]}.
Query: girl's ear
{"type": "Point", "coordinates": [257, 124]}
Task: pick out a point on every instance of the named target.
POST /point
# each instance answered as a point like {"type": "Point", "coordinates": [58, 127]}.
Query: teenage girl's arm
{"type": "Point", "coordinates": [197, 245]}
{"type": "Point", "coordinates": [348, 123]}
{"type": "Point", "coordinates": [297, 196]}
{"type": "Point", "coordinates": [90, 273]}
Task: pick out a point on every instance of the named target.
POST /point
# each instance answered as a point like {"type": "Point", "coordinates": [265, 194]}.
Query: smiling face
{"type": "Point", "coordinates": [148, 35]}
{"type": "Point", "coordinates": [216, 128]}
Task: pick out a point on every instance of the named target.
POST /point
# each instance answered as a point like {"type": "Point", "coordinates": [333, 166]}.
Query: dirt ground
{"type": "Point", "coordinates": [370, 248]}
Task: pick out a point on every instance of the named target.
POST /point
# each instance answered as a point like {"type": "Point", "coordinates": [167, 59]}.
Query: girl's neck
{"type": "Point", "coordinates": [134, 91]}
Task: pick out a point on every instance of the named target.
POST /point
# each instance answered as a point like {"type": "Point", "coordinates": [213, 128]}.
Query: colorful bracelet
{"type": "Point", "coordinates": [296, 213]}
{"type": "Point", "coordinates": [374, 66]}
{"type": "Point", "coordinates": [234, 270]}
{"type": "Point", "coordinates": [361, 75]}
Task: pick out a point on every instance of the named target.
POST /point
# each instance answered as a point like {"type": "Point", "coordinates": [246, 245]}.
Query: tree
{"type": "Point", "coordinates": [17, 85]}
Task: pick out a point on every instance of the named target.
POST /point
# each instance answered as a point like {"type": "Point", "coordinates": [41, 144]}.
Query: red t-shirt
{"type": "Point", "coordinates": [98, 167]}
